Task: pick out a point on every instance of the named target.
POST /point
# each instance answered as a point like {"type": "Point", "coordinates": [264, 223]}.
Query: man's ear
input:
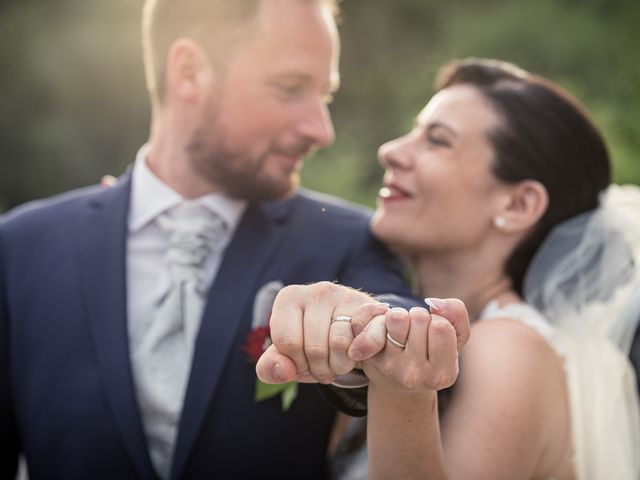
{"type": "Point", "coordinates": [189, 72]}
{"type": "Point", "coordinates": [525, 203]}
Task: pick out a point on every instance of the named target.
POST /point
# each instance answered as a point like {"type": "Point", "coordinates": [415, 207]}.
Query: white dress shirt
{"type": "Point", "coordinates": [147, 273]}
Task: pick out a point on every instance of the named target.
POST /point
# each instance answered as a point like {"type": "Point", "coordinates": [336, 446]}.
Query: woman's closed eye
{"type": "Point", "coordinates": [438, 140]}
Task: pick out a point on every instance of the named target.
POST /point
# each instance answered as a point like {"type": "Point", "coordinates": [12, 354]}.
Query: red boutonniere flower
{"type": "Point", "coordinates": [259, 339]}
{"type": "Point", "coordinates": [256, 343]}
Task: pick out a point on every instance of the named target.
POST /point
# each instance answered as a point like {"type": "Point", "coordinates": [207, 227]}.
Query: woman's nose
{"type": "Point", "coordinates": [395, 154]}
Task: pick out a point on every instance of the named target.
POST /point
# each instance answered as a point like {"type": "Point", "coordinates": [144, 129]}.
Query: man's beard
{"type": "Point", "coordinates": [236, 174]}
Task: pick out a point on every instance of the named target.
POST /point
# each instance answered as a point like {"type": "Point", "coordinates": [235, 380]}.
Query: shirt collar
{"type": "Point", "coordinates": [150, 197]}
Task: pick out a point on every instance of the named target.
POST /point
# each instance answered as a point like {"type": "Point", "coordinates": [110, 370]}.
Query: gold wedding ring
{"type": "Point", "coordinates": [395, 342]}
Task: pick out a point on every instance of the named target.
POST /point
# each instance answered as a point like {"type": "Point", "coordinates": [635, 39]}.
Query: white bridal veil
{"type": "Point", "coordinates": [585, 279]}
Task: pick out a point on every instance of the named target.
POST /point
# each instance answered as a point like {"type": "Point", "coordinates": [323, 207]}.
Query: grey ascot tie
{"type": "Point", "coordinates": [162, 362]}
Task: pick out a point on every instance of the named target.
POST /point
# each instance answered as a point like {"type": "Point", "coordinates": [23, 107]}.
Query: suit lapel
{"type": "Point", "coordinates": [258, 234]}
{"type": "Point", "coordinates": [102, 250]}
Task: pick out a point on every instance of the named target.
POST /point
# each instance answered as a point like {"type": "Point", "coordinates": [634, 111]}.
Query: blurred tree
{"type": "Point", "coordinates": [74, 106]}
{"type": "Point", "coordinates": [392, 50]}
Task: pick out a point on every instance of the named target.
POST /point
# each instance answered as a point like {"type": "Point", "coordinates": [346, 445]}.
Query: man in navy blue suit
{"type": "Point", "coordinates": [239, 92]}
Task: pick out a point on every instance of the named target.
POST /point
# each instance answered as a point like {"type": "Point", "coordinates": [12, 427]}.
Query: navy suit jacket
{"type": "Point", "coordinates": [66, 392]}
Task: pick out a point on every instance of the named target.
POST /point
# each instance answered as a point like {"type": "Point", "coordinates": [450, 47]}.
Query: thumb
{"type": "Point", "coordinates": [274, 367]}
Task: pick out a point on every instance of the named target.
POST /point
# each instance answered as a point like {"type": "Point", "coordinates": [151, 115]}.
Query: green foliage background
{"type": "Point", "coordinates": [74, 105]}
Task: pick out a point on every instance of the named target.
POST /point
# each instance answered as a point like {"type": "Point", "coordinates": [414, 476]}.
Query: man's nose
{"type": "Point", "coordinates": [316, 124]}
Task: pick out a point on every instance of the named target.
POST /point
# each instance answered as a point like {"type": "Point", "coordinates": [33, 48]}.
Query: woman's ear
{"type": "Point", "coordinates": [525, 203]}
{"type": "Point", "coordinates": [189, 72]}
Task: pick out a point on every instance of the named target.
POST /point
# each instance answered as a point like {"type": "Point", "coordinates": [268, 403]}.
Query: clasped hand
{"type": "Point", "coordinates": [309, 347]}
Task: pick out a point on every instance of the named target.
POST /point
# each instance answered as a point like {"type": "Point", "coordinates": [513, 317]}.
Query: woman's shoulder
{"type": "Point", "coordinates": [511, 394]}
{"type": "Point", "coordinates": [508, 339]}
{"type": "Point", "coordinates": [532, 322]}
{"type": "Point", "coordinates": [515, 348]}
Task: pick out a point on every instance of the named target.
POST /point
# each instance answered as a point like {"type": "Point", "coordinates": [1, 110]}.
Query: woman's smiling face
{"type": "Point", "coordinates": [438, 188]}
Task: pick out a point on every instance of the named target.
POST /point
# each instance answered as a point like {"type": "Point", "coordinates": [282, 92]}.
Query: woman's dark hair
{"type": "Point", "coordinates": [544, 135]}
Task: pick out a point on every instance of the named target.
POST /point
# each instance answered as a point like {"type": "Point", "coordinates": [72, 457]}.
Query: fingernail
{"type": "Point", "coordinates": [435, 304]}
{"type": "Point", "coordinates": [278, 373]}
{"type": "Point", "coordinates": [382, 308]}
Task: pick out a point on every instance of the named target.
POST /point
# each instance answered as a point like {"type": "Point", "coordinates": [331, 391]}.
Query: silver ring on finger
{"type": "Point", "coordinates": [395, 342]}
{"type": "Point", "coordinates": [341, 318]}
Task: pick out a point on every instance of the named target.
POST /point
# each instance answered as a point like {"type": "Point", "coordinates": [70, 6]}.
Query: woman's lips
{"type": "Point", "coordinates": [393, 192]}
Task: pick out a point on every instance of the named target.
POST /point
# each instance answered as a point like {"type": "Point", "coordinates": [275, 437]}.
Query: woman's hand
{"type": "Point", "coordinates": [421, 349]}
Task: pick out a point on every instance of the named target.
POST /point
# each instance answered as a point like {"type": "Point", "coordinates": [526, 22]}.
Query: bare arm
{"type": "Point", "coordinates": [508, 417]}
{"type": "Point", "coordinates": [505, 412]}
{"type": "Point", "coordinates": [403, 432]}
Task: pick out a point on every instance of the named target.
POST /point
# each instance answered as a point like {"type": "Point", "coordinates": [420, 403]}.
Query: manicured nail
{"type": "Point", "coordinates": [435, 305]}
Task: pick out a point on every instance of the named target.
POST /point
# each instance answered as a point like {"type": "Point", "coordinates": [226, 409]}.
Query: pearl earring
{"type": "Point", "coordinates": [500, 222]}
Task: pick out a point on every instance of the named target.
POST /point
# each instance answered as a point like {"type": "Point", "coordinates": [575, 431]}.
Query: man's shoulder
{"type": "Point", "coordinates": [54, 205]}
{"type": "Point", "coordinates": [54, 210]}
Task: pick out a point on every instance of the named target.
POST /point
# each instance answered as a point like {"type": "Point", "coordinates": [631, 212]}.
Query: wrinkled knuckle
{"type": "Point", "coordinates": [288, 293]}
{"type": "Point", "coordinates": [315, 352]}
{"type": "Point", "coordinates": [441, 327]}
{"type": "Point", "coordinates": [411, 379]}
{"type": "Point", "coordinates": [287, 346]}
{"type": "Point", "coordinates": [443, 379]}
{"type": "Point", "coordinates": [285, 342]}
{"type": "Point", "coordinates": [339, 342]}
{"type": "Point", "coordinates": [387, 370]}
{"type": "Point", "coordinates": [326, 287]}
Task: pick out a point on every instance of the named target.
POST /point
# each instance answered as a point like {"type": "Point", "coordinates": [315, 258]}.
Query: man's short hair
{"type": "Point", "coordinates": [219, 25]}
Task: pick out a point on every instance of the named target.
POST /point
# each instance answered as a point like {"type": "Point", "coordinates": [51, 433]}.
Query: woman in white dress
{"type": "Point", "coordinates": [499, 196]}
{"type": "Point", "coordinates": [498, 161]}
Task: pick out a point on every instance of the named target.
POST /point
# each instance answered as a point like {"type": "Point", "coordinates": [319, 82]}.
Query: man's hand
{"type": "Point", "coordinates": [309, 344]}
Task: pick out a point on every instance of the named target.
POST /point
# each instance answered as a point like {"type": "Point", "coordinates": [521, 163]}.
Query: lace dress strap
{"type": "Point", "coordinates": [527, 315]}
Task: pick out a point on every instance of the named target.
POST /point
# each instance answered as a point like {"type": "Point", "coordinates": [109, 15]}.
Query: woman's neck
{"type": "Point", "coordinates": [470, 278]}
